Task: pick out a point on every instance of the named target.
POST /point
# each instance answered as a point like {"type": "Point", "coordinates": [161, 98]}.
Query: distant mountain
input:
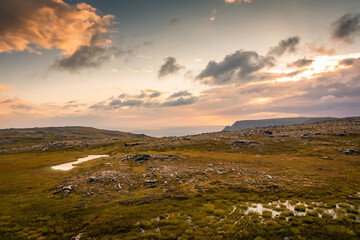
{"type": "Point", "coordinates": [240, 125]}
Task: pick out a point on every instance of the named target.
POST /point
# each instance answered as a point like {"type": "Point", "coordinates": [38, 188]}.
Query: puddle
{"type": "Point", "coordinates": [70, 165]}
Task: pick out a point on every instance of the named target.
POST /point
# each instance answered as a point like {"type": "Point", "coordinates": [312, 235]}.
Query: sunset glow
{"type": "Point", "coordinates": [120, 65]}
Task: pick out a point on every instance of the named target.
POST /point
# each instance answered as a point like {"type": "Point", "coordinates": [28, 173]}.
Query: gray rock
{"type": "Point", "coordinates": [349, 151]}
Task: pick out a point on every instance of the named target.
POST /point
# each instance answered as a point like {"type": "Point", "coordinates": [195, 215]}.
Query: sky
{"type": "Point", "coordinates": [176, 67]}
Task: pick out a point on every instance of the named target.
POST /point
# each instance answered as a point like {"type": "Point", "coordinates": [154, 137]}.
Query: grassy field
{"type": "Point", "coordinates": [292, 183]}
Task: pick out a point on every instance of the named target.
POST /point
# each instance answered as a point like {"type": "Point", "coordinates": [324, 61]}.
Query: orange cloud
{"type": "Point", "coordinates": [45, 24]}
{"type": "Point", "coordinates": [4, 87]}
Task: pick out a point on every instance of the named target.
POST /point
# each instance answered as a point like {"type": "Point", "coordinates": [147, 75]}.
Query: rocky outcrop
{"type": "Point", "coordinates": [241, 125]}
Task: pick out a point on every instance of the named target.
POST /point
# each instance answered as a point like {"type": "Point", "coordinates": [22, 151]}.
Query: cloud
{"type": "Point", "coordinates": [155, 94]}
{"type": "Point", "coordinates": [180, 101]}
{"type": "Point", "coordinates": [4, 87]}
{"type": "Point", "coordinates": [320, 49]}
{"type": "Point", "coordinates": [288, 45]}
{"type": "Point", "coordinates": [46, 24]}
{"type": "Point", "coordinates": [127, 103]}
{"type": "Point", "coordinates": [237, 66]}
{"type": "Point", "coordinates": [347, 61]}
{"type": "Point", "coordinates": [238, 1]}
{"type": "Point", "coordinates": [83, 57]}
{"type": "Point", "coordinates": [242, 65]}
{"type": "Point", "coordinates": [174, 21]}
{"type": "Point", "coordinates": [78, 31]}
{"type": "Point", "coordinates": [149, 99]}
{"type": "Point", "coordinates": [346, 26]}
{"type": "Point", "coordinates": [301, 63]}
{"type": "Point", "coordinates": [330, 93]}
{"type": "Point", "coordinates": [147, 93]}
{"type": "Point", "coordinates": [170, 66]}
{"type": "Point", "coordinates": [180, 94]}
{"type": "Point", "coordinates": [21, 106]}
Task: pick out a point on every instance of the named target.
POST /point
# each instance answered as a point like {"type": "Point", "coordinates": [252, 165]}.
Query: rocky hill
{"type": "Point", "coordinates": [28, 137]}
{"type": "Point", "coordinates": [245, 124]}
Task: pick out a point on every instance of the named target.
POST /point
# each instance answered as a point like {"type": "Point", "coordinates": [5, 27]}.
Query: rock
{"type": "Point", "coordinates": [140, 158]}
{"type": "Point", "coordinates": [339, 134]}
{"type": "Point", "coordinates": [150, 181]}
{"type": "Point", "coordinates": [68, 188]}
{"type": "Point", "coordinates": [133, 144]}
{"type": "Point", "coordinates": [349, 151]}
{"type": "Point", "coordinates": [268, 132]}
{"type": "Point", "coordinates": [268, 176]}
{"type": "Point", "coordinates": [241, 142]}
{"type": "Point", "coordinates": [92, 179]}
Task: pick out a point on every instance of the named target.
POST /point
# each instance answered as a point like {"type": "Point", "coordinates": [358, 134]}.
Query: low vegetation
{"type": "Point", "coordinates": [295, 183]}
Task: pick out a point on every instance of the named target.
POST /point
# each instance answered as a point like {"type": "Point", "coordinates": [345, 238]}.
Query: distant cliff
{"type": "Point", "coordinates": [240, 125]}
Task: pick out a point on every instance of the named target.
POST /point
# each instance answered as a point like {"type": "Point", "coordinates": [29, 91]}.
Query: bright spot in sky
{"type": "Point", "coordinates": [321, 64]}
{"type": "Point", "coordinates": [259, 100]}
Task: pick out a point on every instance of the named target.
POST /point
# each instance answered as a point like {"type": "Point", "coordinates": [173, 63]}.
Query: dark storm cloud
{"type": "Point", "coordinates": [180, 94]}
{"type": "Point", "coordinates": [346, 26]}
{"type": "Point", "coordinates": [169, 66]}
{"type": "Point", "coordinates": [241, 63]}
{"type": "Point", "coordinates": [301, 63]}
{"type": "Point", "coordinates": [287, 45]}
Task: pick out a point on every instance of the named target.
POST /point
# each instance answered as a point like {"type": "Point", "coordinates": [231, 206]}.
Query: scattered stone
{"type": "Point", "coordinates": [268, 176]}
{"type": "Point", "coordinates": [150, 183]}
{"type": "Point", "coordinates": [339, 134]}
{"type": "Point", "coordinates": [92, 179]}
{"type": "Point", "coordinates": [140, 158]}
{"type": "Point", "coordinates": [349, 151]}
{"type": "Point", "coordinates": [133, 144]}
{"type": "Point", "coordinates": [242, 142]}
{"type": "Point", "coordinates": [68, 189]}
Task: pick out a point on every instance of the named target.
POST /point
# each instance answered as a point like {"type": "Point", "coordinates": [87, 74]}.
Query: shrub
{"type": "Point", "coordinates": [267, 214]}
{"type": "Point", "coordinates": [300, 208]}
{"type": "Point", "coordinates": [243, 207]}
{"type": "Point", "coordinates": [326, 215]}
{"type": "Point", "coordinates": [312, 214]}
{"type": "Point", "coordinates": [209, 208]}
{"type": "Point", "coordinates": [352, 210]}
